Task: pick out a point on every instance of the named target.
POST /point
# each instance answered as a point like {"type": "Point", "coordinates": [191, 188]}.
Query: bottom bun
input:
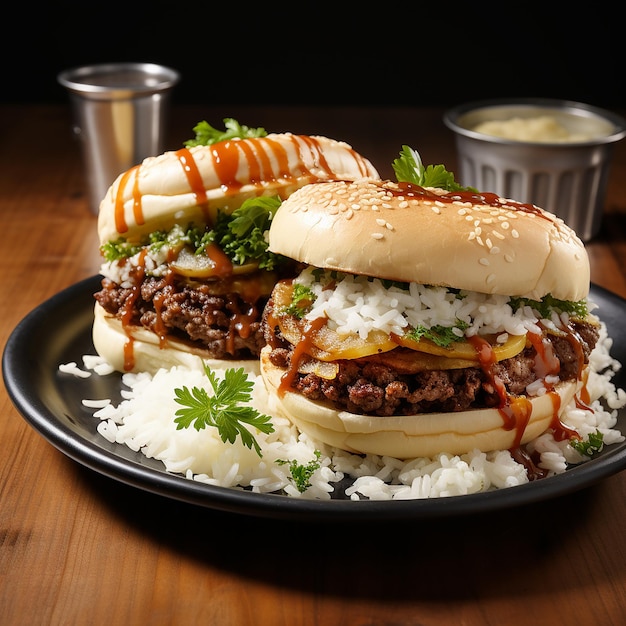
{"type": "Point", "coordinates": [410, 436]}
{"type": "Point", "coordinates": [136, 349]}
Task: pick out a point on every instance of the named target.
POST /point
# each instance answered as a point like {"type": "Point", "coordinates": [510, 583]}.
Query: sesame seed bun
{"type": "Point", "coordinates": [190, 185]}
{"type": "Point", "coordinates": [403, 232]}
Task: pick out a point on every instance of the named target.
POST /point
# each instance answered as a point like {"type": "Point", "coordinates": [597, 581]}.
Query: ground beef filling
{"type": "Point", "coordinates": [224, 324]}
{"type": "Point", "coordinates": [367, 386]}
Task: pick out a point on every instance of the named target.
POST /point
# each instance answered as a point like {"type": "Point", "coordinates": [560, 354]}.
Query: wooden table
{"type": "Point", "coordinates": [80, 548]}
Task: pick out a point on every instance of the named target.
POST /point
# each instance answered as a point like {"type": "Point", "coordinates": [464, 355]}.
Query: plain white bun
{"type": "Point", "coordinates": [114, 342]}
{"type": "Point", "coordinates": [377, 228]}
{"type": "Point", "coordinates": [162, 190]}
{"type": "Point", "coordinates": [409, 436]}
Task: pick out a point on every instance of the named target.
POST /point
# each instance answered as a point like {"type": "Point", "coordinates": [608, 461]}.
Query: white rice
{"type": "Point", "coordinates": [358, 305]}
{"type": "Point", "coordinates": [144, 421]}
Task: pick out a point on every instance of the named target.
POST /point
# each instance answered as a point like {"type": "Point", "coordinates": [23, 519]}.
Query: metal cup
{"type": "Point", "coordinates": [568, 179]}
{"type": "Point", "coordinates": [120, 112]}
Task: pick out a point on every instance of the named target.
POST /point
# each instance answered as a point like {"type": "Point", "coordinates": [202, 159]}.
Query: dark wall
{"type": "Point", "coordinates": [326, 54]}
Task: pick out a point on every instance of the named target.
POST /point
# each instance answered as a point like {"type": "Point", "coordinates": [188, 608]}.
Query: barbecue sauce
{"type": "Point", "coordinates": [304, 345]}
{"type": "Point", "coordinates": [409, 190]}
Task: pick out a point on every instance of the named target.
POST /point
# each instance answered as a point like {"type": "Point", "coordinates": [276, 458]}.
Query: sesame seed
{"type": "Point", "coordinates": [497, 234]}
{"type": "Point", "coordinates": [484, 261]}
{"type": "Point", "coordinates": [377, 235]}
{"type": "Point", "coordinates": [508, 258]}
{"type": "Point", "coordinates": [436, 210]}
{"type": "Point", "coordinates": [494, 250]}
{"type": "Point", "coordinates": [491, 278]}
{"type": "Point", "coordinates": [515, 234]}
{"type": "Point", "coordinates": [380, 221]}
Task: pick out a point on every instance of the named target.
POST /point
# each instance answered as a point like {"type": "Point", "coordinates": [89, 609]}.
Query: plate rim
{"type": "Point", "coordinates": [43, 419]}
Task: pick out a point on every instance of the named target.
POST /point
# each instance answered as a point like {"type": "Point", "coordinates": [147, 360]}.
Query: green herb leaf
{"type": "Point", "coordinates": [206, 135]}
{"type": "Point", "coordinates": [118, 250]}
{"type": "Point", "coordinates": [302, 299]}
{"type": "Point", "coordinates": [410, 169]}
{"type": "Point", "coordinates": [548, 304]}
{"type": "Point", "coordinates": [442, 336]}
{"type": "Point", "coordinates": [301, 474]}
{"type": "Point", "coordinates": [242, 235]}
{"type": "Point", "coordinates": [226, 409]}
{"type": "Point", "coordinates": [589, 447]}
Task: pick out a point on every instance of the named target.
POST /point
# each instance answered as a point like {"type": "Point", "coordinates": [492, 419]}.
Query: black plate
{"type": "Point", "coordinates": [59, 331]}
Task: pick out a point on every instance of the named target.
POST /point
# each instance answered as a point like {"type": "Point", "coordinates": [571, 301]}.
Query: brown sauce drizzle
{"type": "Point", "coordinates": [120, 220]}
{"type": "Point", "coordinates": [137, 207]}
{"type": "Point", "coordinates": [515, 411]}
{"type": "Point", "coordinates": [254, 163]}
{"type": "Point", "coordinates": [226, 155]}
{"type": "Point", "coordinates": [226, 163]}
{"type": "Point", "coordinates": [194, 178]}
{"type": "Point", "coordinates": [484, 198]}
{"type": "Point", "coordinates": [222, 265]}
{"type": "Point", "coordinates": [316, 153]}
{"type": "Point", "coordinates": [126, 311]}
{"type": "Point", "coordinates": [308, 334]}
{"type": "Point", "coordinates": [280, 154]}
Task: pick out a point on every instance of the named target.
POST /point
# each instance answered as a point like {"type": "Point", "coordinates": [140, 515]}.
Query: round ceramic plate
{"type": "Point", "coordinates": [59, 331]}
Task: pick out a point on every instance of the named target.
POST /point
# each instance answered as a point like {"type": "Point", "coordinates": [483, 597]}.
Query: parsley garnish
{"type": "Point", "coordinates": [301, 474]}
{"type": "Point", "coordinates": [118, 249]}
{"type": "Point", "coordinates": [226, 409]}
{"type": "Point", "coordinates": [242, 234]}
{"type": "Point", "coordinates": [206, 135]}
{"type": "Point", "coordinates": [593, 444]}
{"type": "Point", "coordinates": [547, 304]}
{"type": "Point", "coordinates": [302, 298]}
{"type": "Point", "coordinates": [409, 169]}
{"type": "Point", "coordinates": [442, 336]}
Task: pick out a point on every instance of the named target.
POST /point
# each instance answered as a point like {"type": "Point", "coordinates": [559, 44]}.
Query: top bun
{"type": "Point", "coordinates": [403, 232]}
{"type": "Point", "coordinates": [190, 185]}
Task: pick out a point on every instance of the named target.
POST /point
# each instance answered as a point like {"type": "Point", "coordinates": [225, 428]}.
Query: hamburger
{"type": "Point", "coordinates": [428, 317]}
{"type": "Point", "coordinates": [186, 272]}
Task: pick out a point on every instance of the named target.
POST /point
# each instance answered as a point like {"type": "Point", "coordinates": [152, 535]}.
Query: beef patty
{"type": "Point", "coordinates": [370, 385]}
{"type": "Point", "coordinates": [222, 318]}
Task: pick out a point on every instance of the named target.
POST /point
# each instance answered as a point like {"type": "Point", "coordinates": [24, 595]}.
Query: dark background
{"type": "Point", "coordinates": [326, 54]}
